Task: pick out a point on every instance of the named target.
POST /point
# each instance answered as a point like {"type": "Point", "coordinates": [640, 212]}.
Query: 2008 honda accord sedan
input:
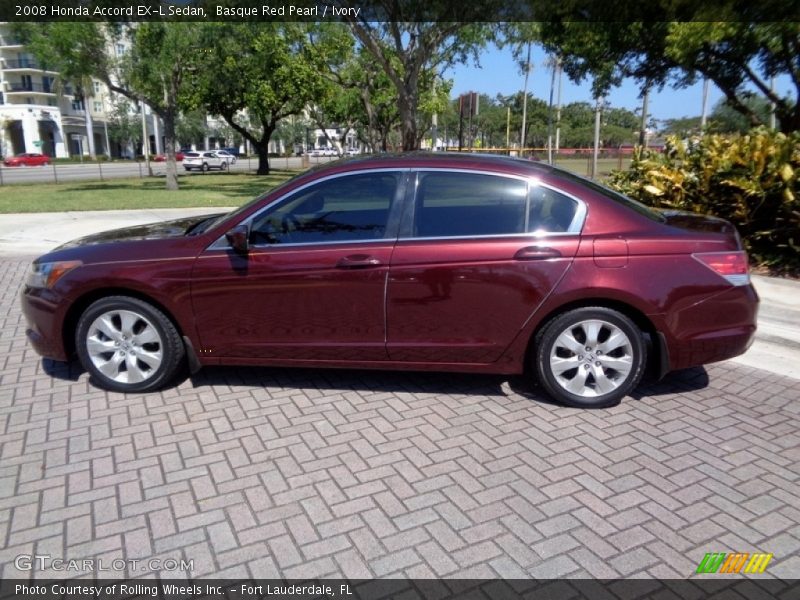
{"type": "Point", "coordinates": [415, 261]}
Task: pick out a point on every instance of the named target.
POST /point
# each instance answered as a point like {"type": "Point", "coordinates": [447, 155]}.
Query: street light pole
{"type": "Point", "coordinates": [105, 126]}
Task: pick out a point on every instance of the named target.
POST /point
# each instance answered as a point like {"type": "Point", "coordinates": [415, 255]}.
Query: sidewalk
{"type": "Point", "coordinates": [776, 349]}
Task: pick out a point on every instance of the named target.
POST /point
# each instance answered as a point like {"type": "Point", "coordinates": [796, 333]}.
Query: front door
{"type": "Point", "coordinates": [313, 284]}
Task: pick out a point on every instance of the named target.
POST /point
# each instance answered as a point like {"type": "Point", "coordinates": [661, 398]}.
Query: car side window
{"type": "Point", "coordinates": [469, 204]}
{"type": "Point", "coordinates": [550, 211]}
{"type": "Point", "coordinates": [342, 209]}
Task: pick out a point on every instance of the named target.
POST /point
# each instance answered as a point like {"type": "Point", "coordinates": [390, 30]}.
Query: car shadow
{"type": "Point", "coordinates": [352, 380]}
{"type": "Point", "coordinates": [67, 371]}
{"type": "Point", "coordinates": [371, 381]}
{"type": "Point", "coordinates": [685, 380]}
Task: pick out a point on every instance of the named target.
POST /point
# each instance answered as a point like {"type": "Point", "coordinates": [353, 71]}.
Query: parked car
{"type": "Point", "coordinates": [323, 152]}
{"type": "Point", "coordinates": [28, 159]}
{"type": "Point", "coordinates": [232, 150]}
{"type": "Point", "coordinates": [204, 161]}
{"type": "Point", "coordinates": [439, 262]}
{"type": "Point", "coordinates": [230, 158]}
{"type": "Point", "coordinates": [163, 157]}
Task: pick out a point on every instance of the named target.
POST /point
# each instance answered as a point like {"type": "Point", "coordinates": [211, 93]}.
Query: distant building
{"type": "Point", "coordinates": [40, 113]}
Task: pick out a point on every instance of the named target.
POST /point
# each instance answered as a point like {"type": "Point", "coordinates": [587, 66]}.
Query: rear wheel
{"type": "Point", "coordinates": [590, 357]}
{"type": "Point", "coordinates": [128, 345]}
{"type": "Point", "coordinates": [205, 167]}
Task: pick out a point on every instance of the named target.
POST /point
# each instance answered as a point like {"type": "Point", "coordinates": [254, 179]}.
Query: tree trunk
{"type": "Point", "coordinates": [169, 141]}
{"type": "Point", "coordinates": [263, 157]}
{"type": "Point", "coordinates": [407, 104]}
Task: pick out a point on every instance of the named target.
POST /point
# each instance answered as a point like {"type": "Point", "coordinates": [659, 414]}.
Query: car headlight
{"type": "Point", "coordinates": [46, 274]}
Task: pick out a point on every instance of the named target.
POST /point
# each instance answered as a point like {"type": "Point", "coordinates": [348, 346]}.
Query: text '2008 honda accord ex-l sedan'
{"type": "Point", "coordinates": [426, 262]}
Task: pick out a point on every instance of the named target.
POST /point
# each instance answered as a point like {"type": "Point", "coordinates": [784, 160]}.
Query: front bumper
{"type": "Point", "coordinates": [44, 316]}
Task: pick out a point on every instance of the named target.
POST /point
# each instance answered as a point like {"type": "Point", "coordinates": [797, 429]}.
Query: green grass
{"type": "Point", "coordinates": [227, 189]}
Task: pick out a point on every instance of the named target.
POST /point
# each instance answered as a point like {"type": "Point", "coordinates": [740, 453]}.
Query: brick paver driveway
{"type": "Point", "coordinates": [298, 473]}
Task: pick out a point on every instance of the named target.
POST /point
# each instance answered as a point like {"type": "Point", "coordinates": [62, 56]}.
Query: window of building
{"type": "Point", "coordinates": [2, 99]}
{"type": "Point", "coordinates": [120, 49]}
{"type": "Point", "coordinates": [96, 87]}
{"type": "Point", "coordinates": [347, 208]}
{"type": "Point", "coordinates": [98, 107]}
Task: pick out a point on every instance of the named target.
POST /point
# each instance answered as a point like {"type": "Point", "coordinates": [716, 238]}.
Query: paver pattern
{"type": "Point", "coordinates": [311, 473]}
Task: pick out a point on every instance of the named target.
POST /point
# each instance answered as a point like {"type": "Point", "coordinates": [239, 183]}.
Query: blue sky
{"type": "Point", "coordinates": [498, 73]}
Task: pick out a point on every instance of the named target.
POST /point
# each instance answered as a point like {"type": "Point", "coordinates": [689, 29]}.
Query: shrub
{"type": "Point", "coordinates": [750, 180]}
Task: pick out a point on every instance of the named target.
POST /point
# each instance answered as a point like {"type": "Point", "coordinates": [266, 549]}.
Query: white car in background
{"type": "Point", "coordinates": [226, 155]}
{"type": "Point", "coordinates": [204, 161]}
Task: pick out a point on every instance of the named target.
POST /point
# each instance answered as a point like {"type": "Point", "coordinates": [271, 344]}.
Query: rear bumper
{"type": "Point", "coordinates": [718, 328]}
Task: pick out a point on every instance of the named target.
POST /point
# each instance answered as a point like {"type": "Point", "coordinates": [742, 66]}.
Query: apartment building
{"type": "Point", "coordinates": [40, 113]}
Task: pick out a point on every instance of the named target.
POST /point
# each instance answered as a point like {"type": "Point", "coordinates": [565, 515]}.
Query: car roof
{"type": "Point", "coordinates": [457, 160]}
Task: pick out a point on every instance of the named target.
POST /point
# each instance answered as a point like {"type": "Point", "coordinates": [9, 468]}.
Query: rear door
{"type": "Point", "coordinates": [476, 257]}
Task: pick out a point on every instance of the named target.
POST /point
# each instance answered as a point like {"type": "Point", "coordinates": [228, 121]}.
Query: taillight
{"type": "Point", "coordinates": [730, 265]}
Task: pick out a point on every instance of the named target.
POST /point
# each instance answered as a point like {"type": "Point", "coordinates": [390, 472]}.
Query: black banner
{"type": "Point", "coordinates": [420, 589]}
{"type": "Point", "coordinates": [400, 10]}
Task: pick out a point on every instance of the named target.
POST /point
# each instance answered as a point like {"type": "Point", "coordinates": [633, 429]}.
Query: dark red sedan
{"type": "Point", "coordinates": [428, 262]}
{"type": "Point", "coordinates": [28, 159]}
{"type": "Point", "coordinates": [163, 157]}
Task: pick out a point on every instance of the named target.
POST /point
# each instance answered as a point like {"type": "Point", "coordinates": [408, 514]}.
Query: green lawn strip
{"type": "Point", "coordinates": [228, 189]}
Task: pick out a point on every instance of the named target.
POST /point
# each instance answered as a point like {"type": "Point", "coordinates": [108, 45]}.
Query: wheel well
{"type": "Point", "coordinates": [638, 317]}
{"type": "Point", "coordinates": [81, 304]}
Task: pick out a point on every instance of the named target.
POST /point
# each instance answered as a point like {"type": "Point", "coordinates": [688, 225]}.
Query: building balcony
{"type": "Point", "coordinates": [36, 88]}
{"type": "Point", "coordinates": [7, 40]}
{"type": "Point", "coordinates": [21, 63]}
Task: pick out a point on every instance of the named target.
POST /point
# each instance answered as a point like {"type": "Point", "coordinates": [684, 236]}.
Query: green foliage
{"type": "Point", "coordinates": [750, 180]}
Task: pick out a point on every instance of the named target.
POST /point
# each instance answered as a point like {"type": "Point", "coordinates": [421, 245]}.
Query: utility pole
{"type": "Point", "coordinates": [145, 140]}
{"type": "Point", "coordinates": [508, 128]}
{"type": "Point", "coordinates": [558, 109]}
{"type": "Point", "coordinates": [705, 104]}
{"type": "Point", "coordinates": [643, 129]}
{"type": "Point", "coordinates": [596, 136]}
{"type": "Point", "coordinates": [772, 123]}
{"type": "Point", "coordinates": [550, 113]}
{"type": "Point", "coordinates": [525, 101]}
{"type": "Point", "coordinates": [434, 121]}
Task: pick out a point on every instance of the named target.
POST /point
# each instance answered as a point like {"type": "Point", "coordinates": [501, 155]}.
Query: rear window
{"type": "Point", "coordinates": [635, 205]}
{"type": "Point", "coordinates": [191, 154]}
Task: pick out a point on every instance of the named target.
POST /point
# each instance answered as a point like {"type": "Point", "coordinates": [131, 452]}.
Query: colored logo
{"type": "Point", "coordinates": [734, 562]}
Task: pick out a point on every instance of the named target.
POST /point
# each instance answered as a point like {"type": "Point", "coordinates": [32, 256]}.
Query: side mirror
{"type": "Point", "coordinates": [238, 239]}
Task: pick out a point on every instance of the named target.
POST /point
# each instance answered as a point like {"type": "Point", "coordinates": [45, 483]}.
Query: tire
{"type": "Point", "coordinates": [205, 167]}
{"type": "Point", "coordinates": [601, 376]}
{"type": "Point", "coordinates": [224, 166]}
{"type": "Point", "coordinates": [187, 169]}
{"type": "Point", "coordinates": [115, 334]}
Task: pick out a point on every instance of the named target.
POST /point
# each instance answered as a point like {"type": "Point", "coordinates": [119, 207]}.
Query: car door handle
{"type": "Point", "coordinates": [358, 261]}
{"type": "Point", "coordinates": [536, 253]}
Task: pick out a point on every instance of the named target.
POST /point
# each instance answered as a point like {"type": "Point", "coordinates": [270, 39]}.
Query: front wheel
{"type": "Point", "coordinates": [590, 357]}
{"type": "Point", "coordinates": [205, 167]}
{"type": "Point", "coordinates": [128, 345]}
{"type": "Point", "coordinates": [223, 166]}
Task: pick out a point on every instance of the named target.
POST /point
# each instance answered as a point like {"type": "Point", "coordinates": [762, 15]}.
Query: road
{"type": "Point", "coordinates": [301, 473]}
{"type": "Point", "coordinates": [126, 169]}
